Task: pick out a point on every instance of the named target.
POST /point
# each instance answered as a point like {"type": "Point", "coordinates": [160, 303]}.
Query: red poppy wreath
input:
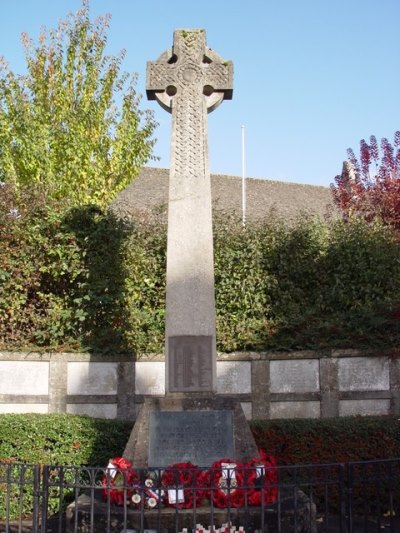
{"type": "Point", "coordinates": [118, 481]}
{"type": "Point", "coordinates": [147, 493]}
{"type": "Point", "coordinates": [262, 479]}
{"type": "Point", "coordinates": [225, 479]}
{"type": "Point", "coordinates": [182, 485]}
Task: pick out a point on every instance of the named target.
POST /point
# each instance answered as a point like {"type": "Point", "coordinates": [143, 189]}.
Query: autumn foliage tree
{"type": "Point", "coordinates": [72, 125]}
{"type": "Point", "coordinates": [370, 185]}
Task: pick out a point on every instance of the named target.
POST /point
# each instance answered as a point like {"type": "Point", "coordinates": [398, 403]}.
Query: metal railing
{"type": "Point", "coordinates": [350, 498]}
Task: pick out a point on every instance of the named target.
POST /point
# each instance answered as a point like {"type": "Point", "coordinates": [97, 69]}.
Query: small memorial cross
{"type": "Point", "coordinates": [190, 80]}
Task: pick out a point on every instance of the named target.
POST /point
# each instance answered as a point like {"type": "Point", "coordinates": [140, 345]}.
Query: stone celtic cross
{"type": "Point", "coordinates": [189, 81]}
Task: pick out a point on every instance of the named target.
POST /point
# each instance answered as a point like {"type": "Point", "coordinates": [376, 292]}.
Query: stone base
{"type": "Point", "coordinates": [230, 437]}
{"type": "Point", "coordinates": [295, 512]}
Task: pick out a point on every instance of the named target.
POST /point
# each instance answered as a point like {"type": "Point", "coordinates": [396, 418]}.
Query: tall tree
{"type": "Point", "coordinates": [72, 124]}
{"type": "Point", "coordinates": [370, 185]}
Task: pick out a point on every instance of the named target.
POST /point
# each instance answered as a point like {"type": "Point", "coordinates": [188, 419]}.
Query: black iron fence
{"type": "Point", "coordinates": [351, 498]}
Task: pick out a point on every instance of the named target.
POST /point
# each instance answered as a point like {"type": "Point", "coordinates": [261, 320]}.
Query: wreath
{"type": "Point", "coordinates": [147, 492]}
{"type": "Point", "coordinates": [225, 479]}
{"type": "Point", "coordinates": [262, 479]}
{"type": "Point", "coordinates": [182, 483]}
{"type": "Point", "coordinates": [118, 481]}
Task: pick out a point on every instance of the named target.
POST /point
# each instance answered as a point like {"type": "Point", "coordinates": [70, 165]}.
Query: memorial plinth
{"type": "Point", "coordinates": [294, 512]}
{"type": "Point", "coordinates": [189, 428]}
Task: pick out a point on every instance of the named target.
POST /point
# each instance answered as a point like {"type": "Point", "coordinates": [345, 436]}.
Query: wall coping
{"type": "Point", "coordinates": [232, 356]}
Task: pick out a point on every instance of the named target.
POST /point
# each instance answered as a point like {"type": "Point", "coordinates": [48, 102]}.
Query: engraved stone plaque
{"type": "Point", "coordinates": [294, 376]}
{"type": "Point", "coordinates": [200, 437]}
{"type": "Point", "coordinates": [364, 374]}
{"type": "Point", "coordinates": [190, 363]}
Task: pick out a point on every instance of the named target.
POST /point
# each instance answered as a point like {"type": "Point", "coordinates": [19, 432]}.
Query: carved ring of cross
{"type": "Point", "coordinates": [183, 67]}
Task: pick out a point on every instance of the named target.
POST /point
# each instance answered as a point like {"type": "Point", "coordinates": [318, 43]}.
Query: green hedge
{"type": "Point", "coordinates": [86, 280]}
{"type": "Point", "coordinates": [61, 439]}
{"type": "Point", "coordinates": [333, 440]}
{"type": "Point", "coordinates": [53, 440]}
{"type": "Point", "coordinates": [79, 440]}
{"type": "Point", "coordinates": [76, 440]}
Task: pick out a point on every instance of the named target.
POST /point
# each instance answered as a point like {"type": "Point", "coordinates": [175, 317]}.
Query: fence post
{"type": "Point", "coordinates": [36, 499]}
{"type": "Point", "coordinates": [350, 484]}
{"type": "Point", "coordinates": [45, 497]}
{"type": "Point", "coordinates": [343, 497]}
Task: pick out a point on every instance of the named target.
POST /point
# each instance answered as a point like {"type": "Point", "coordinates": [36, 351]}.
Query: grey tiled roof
{"type": "Point", "coordinates": [150, 190]}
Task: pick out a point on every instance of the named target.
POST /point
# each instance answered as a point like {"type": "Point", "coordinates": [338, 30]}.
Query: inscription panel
{"type": "Point", "coordinates": [190, 363]}
{"type": "Point", "coordinates": [364, 374]}
{"type": "Point", "coordinates": [294, 376]}
{"type": "Point", "coordinates": [200, 437]}
{"type": "Point", "coordinates": [364, 407]}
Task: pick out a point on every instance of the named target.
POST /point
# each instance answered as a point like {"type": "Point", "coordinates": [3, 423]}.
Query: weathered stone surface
{"type": "Point", "coordinates": [364, 374]}
{"type": "Point", "coordinates": [92, 378]}
{"type": "Point", "coordinates": [191, 363]}
{"type": "Point", "coordinates": [260, 383]}
{"type": "Point", "coordinates": [247, 409]}
{"type": "Point", "coordinates": [199, 437]}
{"type": "Point", "coordinates": [328, 375]}
{"type": "Point", "coordinates": [58, 386]}
{"type": "Point", "coordinates": [190, 80]}
{"type": "Point", "coordinates": [150, 378]}
{"type": "Point", "coordinates": [364, 407]}
{"type": "Point", "coordinates": [295, 409]}
{"type": "Point", "coordinates": [150, 381]}
{"type": "Point", "coordinates": [24, 408]}
{"type": "Point", "coordinates": [24, 377]}
{"type": "Point", "coordinates": [95, 410]}
{"type": "Point", "coordinates": [137, 449]}
{"type": "Point", "coordinates": [126, 397]}
{"type": "Point", "coordinates": [233, 377]}
{"type": "Point", "coordinates": [294, 376]}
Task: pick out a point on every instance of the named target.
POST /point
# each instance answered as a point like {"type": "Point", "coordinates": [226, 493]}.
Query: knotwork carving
{"type": "Point", "coordinates": [190, 62]}
{"type": "Point", "coordinates": [188, 81]}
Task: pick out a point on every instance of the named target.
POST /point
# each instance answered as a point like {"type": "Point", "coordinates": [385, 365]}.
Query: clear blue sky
{"type": "Point", "coordinates": [312, 77]}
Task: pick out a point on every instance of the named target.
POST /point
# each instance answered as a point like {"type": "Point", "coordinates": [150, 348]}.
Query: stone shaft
{"type": "Point", "coordinates": [189, 81]}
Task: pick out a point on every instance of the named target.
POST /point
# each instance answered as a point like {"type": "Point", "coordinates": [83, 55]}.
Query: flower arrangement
{"type": "Point", "coordinates": [118, 481]}
{"type": "Point", "coordinates": [147, 492]}
{"type": "Point", "coordinates": [183, 485]}
{"type": "Point", "coordinates": [227, 483]}
{"type": "Point", "coordinates": [225, 528]}
{"type": "Point", "coordinates": [225, 479]}
{"type": "Point", "coordinates": [262, 479]}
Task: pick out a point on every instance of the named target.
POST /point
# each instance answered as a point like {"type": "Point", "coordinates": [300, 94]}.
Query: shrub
{"type": "Point", "coordinates": [87, 280]}
{"type": "Point", "coordinates": [333, 440]}
{"type": "Point", "coordinates": [76, 440]}
{"type": "Point", "coordinates": [60, 439]}
{"type": "Point", "coordinates": [41, 270]}
{"type": "Point", "coordinates": [335, 285]}
{"type": "Point", "coordinates": [52, 440]}
{"type": "Point", "coordinates": [369, 187]}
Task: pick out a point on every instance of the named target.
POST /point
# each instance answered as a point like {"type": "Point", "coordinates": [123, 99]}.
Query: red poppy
{"type": "Point", "coordinates": [262, 479]}
{"type": "Point", "coordinates": [182, 483]}
{"type": "Point", "coordinates": [118, 480]}
{"type": "Point", "coordinates": [225, 479]}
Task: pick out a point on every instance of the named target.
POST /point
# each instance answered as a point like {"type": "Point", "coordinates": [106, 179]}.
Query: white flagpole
{"type": "Point", "coordinates": [243, 179]}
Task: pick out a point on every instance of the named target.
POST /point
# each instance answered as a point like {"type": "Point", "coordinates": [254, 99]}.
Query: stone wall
{"type": "Point", "coordinates": [269, 385]}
